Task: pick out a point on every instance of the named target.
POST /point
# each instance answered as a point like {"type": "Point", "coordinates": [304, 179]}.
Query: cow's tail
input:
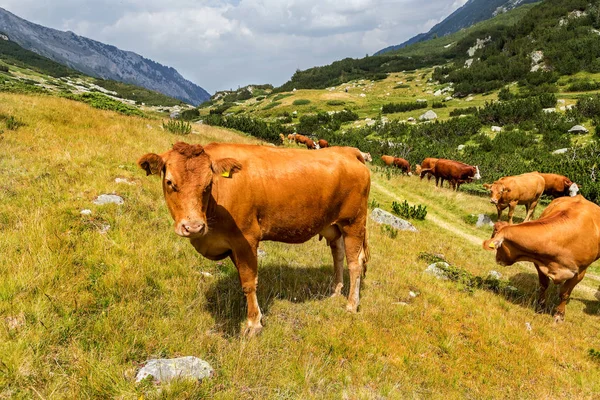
{"type": "Point", "coordinates": [366, 253]}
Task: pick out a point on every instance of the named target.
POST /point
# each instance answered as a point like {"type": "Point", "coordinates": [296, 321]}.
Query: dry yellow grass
{"type": "Point", "coordinates": [81, 310]}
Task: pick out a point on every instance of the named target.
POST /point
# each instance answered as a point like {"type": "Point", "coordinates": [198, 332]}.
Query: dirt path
{"type": "Point", "coordinates": [436, 220]}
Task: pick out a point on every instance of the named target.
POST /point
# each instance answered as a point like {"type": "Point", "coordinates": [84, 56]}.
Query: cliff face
{"type": "Point", "coordinates": [472, 12]}
{"type": "Point", "coordinates": [99, 59]}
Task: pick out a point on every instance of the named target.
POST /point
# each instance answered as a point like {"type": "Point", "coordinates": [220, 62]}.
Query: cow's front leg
{"type": "Point", "coordinates": [565, 294]}
{"type": "Point", "coordinates": [247, 266]}
{"type": "Point", "coordinates": [544, 281]}
{"type": "Point", "coordinates": [511, 211]}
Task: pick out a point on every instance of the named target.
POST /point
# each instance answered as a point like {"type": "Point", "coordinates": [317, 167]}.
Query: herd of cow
{"type": "Point", "coordinates": [227, 198]}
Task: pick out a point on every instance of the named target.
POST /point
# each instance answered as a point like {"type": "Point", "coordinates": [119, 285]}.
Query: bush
{"type": "Point", "coordinates": [583, 86]}
{"type": "Point", "coordinates": [271, 105]}
{"type": "Point", "coordinates": [102, 102]}
{"type": "Point", "coordinates": [391, 108]}
{"type": "Point", "coordinates": [438, 104]}
{"type": "Point", "coordinates": [221, 108]}
{"type": "Point", "coordinates": [282, 96]}
{"type": "Point", "coordinates": [301, 102]}
{"type": "Point", "coordinates": [191, 114]}
{"type": "Point", "coordinates": [402, 86]}
{"type": "Point", "coordinates": [336, 103]}
{"type": "Point", "coordinates": [179, 127]}
{"type": "Point", "coordinates": [3, 68]}
{"type": "Point", "coordinates": [13, 123]}
{"type": "Point", "coordinates": [411, 212]}
{"type": "Point", "coordinates": [463, 111]}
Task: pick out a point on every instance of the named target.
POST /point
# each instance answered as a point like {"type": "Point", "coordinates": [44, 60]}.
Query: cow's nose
{"type": "Point", "coordinates": [493, 201]}
{"type": "Point", "coordinates": [187, 228]}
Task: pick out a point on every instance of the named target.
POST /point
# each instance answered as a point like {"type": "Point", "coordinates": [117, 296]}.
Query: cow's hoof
{"type": "Point", "coordinates": [252, 331]}
{"type": "Point", "coordinates": [559, 318]}
{"type": "Point", "coordinates": [337, 291]}
{"type": "Point", "coordinates": [352, 308]}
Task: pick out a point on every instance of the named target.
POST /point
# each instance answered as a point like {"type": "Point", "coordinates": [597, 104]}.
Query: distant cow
{"type": "Point", "coordinates": [402, 164]}
{"type": "Point", "coordinates": [322, 143]}
{"type": "Point", "coordinates": [291, 137]}
{"type": "Point", "coordinates": [388, 160]}
{"type": "Point", "coordinates": [559, 185]}
{"type": "Point", "coordinates": [282, 138]}
{"type": "Point", "coordinates": [428, 164]}
{"type": "Point", "coordinates": [455, 172]}
{"type": "Point", "coordinates": [305, 140]}
{"type": "Point", "coordinates": [227, 198]}
{"type": "Point", "coordinates": [510, 191]}
{"type": "Point", "coordinates": [562, 243]}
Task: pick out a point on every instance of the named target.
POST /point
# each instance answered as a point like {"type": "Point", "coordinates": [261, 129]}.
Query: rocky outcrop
{"type": "Point", "coordinates": [100, 60]}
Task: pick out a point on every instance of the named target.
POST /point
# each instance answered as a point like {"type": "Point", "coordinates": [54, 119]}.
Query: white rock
{"type": "Point", "coordinates": [460, 147]}
{"type": "Point", "coordinates": [561, 151]}
{"type": "Point", "coordinates": [383, 217]}
{"type": "Point", "coordinates": [412, 294]}
{"type": "Point", "coordinates": [108, 199]}
{"type": "Point", "coordinates": [448, 98]}
{"type": "Point", "coordinates": [435, 270]}
{"type": "Point", "coordinates": [85, 212]}
{"type": "Point", "coordinates": [438, 92]}
{"type": "Point", "coordinates": [123, 180]}
{"type": "Point", "coordinates": [164, 370]}
{"type": "Point", "coordinates": [470, 98]}
{"type": "Point", "coordinates": [549, 110]}
{"type": "Point", "coordinates": [528, 327]}
{"type": "Point", "coordinates": [578, 129]}
{"type": "Point", "coordinates": [495, 275]}
{"type": "Point", "coordinates": [483, 220]}
{"type": "Point", "coordinates": [496, 129]}
{"type": "Point", "coordinates": [421, 100]}
{"type": "Point", "coordinates": [261, 253]}
{"type": "Point", "coordinates": [428, 116]}
{"type": "Point", "coordinates": [363, 95]}
{"type": "Point", "coordinates": [468, 63]}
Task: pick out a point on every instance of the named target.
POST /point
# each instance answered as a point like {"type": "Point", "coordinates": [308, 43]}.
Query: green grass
{"type": "Point", "coordinates": [81, 310]}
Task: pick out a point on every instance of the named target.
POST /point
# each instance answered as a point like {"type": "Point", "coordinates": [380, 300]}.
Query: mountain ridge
{"type": "Point", "coordinates": [99, 59]}
{"type": "Point", "coordinates": [470, 13]}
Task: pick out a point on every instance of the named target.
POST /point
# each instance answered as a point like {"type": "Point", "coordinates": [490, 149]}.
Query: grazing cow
{"type": "Point", "coordinates": [323, 143]}
{"type": "Point", "coordinates": [559, 185]}
{"type": "Point", "coordinates": [510, 191]}
{"type": "Point", "coordinates": [291, 137]}
{"type": "Point", "coordinates": [455, 172]}
{"type": "Point", "coordinates": [367, 156]}
{"type": "Point", "coordinates": [402, 164]}
{"type": "Point", "coordinates": [388, 160]}
{"type": "Point", "coordinates": [282, 138]}
{"type": "Point", "coordinates": [561, 244]}
{"type": "Point", "coordinates": [428, 164]}
{"type": "Point", "coordinates": [226, 198]}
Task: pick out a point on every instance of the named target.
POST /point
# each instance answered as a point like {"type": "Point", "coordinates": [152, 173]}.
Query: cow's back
{"type": "Point", "coordinates": [293, 193]}
{"type": "Point", "coordinates": [524, 188]}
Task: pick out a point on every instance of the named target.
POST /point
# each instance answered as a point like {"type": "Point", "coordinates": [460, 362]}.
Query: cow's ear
{"type": "Point", "coordinates": [493, 243]}
{"type": "Point", "coordinates": [226, 167]}
{"type": "Point", "coordinates": [487, 186]}
{"type": "Point", "coordinates": [151, 163]}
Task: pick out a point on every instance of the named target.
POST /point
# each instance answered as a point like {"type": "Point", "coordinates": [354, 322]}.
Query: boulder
{"type": "Point", "coordinates": [448, 98]}
{"type": "Point", "coordinates": [495, 275]}
{"type": "Point", "coordinates": [561, 151]}
{"type": "Point", "coordinates": [175, 115]}
{"type": "Point", "coordinates": [428, 116]}
{"type": "Point", "coordinates": [108, 199]}
{"type": "Point", "coordinates": [483, 220]}
{"type": "Point", "coordinates": [578, 129]}
{"type": "Point", "coordinates": [164, 370]}
{"type": "Point", "coordinates": [435, 270]}
{"type": "Point", "coordinates": [496, 129]}
{"type": "Point", "coordinates": [383, 217]}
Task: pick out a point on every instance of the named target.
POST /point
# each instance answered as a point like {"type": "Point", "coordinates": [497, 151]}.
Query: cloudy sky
{"type": "Point", "coordinates": [223, 44]}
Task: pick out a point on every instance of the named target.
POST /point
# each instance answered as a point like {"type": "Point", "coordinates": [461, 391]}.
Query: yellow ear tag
{"type": "Point", "coordinates": [226, 174]}
{"type": "Point", "coordinates": [492, 245]}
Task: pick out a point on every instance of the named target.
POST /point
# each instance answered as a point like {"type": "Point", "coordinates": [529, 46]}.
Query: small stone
{"type": "Point", "coordinates": [561, 151]}
{"type": "Point", "coordinates": [383, 217]}
{"type": "Point", "coordinates": [495, 274]}
{"type": "Point", "coordinates": [164, 370]}
{"type": "Point", "coordinates": [123, 180]}
{"type": "Point", "coordinates": [261, 253]}
{"type": "Point", "coordinates": [15, 322]}
{"type": "Point", "coordinates": [528, 327]}
{"type": "Point", "coordinates": [483, 220]}
{"type": "Point", "coordinates": [206, 274]}
{"type": "Point", "coordinates": [435, 270]}
{"type": "Point", "coordinates": [104, 228]}
{"type": "Point", "coordinates": [460, 147]}
{"type": "Point", "coordinates": [412, 294]}
{"type": "Point", "coordinates": [108, 199]}
{"type": "Point", "coordinates": [85, 212]}
{"type": "Point", "coordinates": [400, 303]}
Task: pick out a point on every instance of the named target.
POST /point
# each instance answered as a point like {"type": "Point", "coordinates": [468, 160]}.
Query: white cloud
{"type": "Point", "coordinates": [220, 44]}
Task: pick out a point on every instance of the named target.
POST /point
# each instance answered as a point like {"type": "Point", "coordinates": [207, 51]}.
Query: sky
{"type": "Point", "coordinates": [225, 44]}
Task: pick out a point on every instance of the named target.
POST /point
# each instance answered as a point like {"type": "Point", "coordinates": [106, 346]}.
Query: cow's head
{"type": "Point", "coordinates": [497, 190]}
{"type": "Point", "coordinates": [187, 178]}
{"type": "Point", "coordinates": [495, 243]}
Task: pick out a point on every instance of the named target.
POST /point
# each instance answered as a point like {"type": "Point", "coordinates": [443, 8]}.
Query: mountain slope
{"type": "Point", "coordinates": [472, 12]}
{"type": "Point", "coordinates": [100, 60]}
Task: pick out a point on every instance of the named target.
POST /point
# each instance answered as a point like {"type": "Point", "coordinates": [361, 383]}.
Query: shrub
{"type": "Point", "coordinates": [402, 86]}
{"type": "Point", "coordinates": [271, 105]}
{"type": "Point", "coordinates": [373, 204]}
{"type": "Point", "coordinates": [3, 68]}
{"type": "Point", "coordinates": [103, 102]}
{"type": "Point", "coordinates": [301, 102]}
{"type": "Point", "coordinates": [191, 114]}
{"type": "Point", "coordinates": [220, 109]}
{"type": "Point", "coordinates": [411, 212]}
{"type": "Point", "coordinates": [179, 127]}
{"type": "Point", "coordinates": [336, 102]}
{"type": "Point", "coordinates": [463, 111]}
{"type": "Point", "coordinates": [389, 231]}
{"type": "Point", "coordinates": [583, 86]}
{"type": "Point", "coordinates": [13, 123]}
{"type": "Point", "coordinates": [282, 96]}
{"type": "Point", "coordinates": [391, 108]}
{"type": "Point", "coordinates": [438, 104]}
{"type": "Point", "coordinates": [260, 98]}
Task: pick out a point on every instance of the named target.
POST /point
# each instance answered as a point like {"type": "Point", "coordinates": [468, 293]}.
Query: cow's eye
{"type": "Point", "coordinates": [169, 183]}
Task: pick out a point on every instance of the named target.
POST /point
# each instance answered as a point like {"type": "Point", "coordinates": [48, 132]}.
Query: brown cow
{"type": "Point", "coordinates": [559, 185]}
{"type": "Point", "coordinates": [510, 191]}
{"type": "Point", "coordinates": [291, 137]}
{"type": "Point", "coordinates": [402, 164]}
{"type": "Point", "coordinates": [455, 172]}
{"type": "Point", "coordinates": [226, 198]}
{"type": "Point", "coordinates": [305, 140]}
{"type": "Point", "coordinates": [388, 160]}
{"type": "Point", "coordinates": [428, 163]}
{"type": "Point", "coordinates": [561, 244]}
{"type": "Point", "coordinates": [323, 143]}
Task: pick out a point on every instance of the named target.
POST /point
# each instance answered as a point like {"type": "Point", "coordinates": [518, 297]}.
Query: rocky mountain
{"type": "Point", "coordinates": [472, 12]}
{"type": "Point", "coordinates": [100, 60]}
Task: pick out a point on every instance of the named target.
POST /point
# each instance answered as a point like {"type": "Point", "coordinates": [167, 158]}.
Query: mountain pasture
{"type": "Point", "coordinates": [82, 310]}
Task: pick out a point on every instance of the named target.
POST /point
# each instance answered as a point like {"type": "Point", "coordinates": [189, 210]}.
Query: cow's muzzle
{"type": "Point", "coordinates": [493, 201]}
{"type": "Point", "coordinates": [186, 228]}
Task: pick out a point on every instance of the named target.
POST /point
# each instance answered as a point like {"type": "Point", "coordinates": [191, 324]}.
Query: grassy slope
{"type": "Point", "coordinates": [95, 305]}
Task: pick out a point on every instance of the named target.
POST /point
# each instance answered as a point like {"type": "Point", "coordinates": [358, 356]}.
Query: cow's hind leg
{"type": "Point", "coordinates": [530, 210]}
{"type": "Point", "coordinates": [247, 266]}
{"type": "Point", "coordinates": [565, 294]}
{"type": "Point", "coordinates": [357, 254]}
{"type": "Point", "coordinates": [336, 244]}
{"type": "Point", "coordinates": [544, 281]}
